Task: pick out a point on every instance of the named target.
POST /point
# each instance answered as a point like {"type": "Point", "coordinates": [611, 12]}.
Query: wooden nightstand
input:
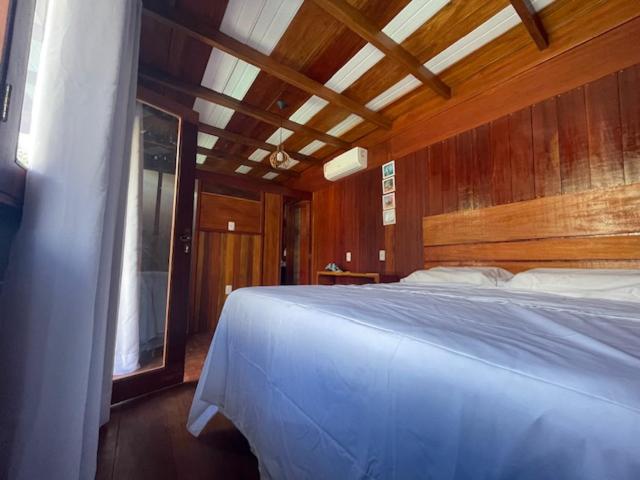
{"type": "Point", "coordinates": [353, 278]}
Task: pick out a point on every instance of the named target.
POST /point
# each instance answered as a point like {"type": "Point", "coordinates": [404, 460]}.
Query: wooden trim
{"type": "Point", "coordinates": [592, 229]}
{"type": "Point", "coordinates": [194, 90]}
{"type": "Point", "coordinates": [532, 22]}
{"type": "Point", "coordinates": [621, 247]}
{"type": "Point", "coordinates": [595, 212]}
{"type": "Point", "coordinates": [238, 160]}
{"type": "Point", "coordinates": [251, 142]}
{"type": "Point", "coordinates": [198, 28]}
{"type": "Point", "coordinates": [361, 25]}
{"type": "Point", "coordinates": [516, 267]}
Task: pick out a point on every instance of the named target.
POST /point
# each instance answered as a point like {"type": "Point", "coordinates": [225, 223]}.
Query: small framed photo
{"type": "Point", "coordinates": [389, 169]}
{"type": "Point", "coordinates": [389, 217]}
{"type": "Point", "coordinates": [388, 201]}
{"type": "Point", "coordinates": [388, 185]}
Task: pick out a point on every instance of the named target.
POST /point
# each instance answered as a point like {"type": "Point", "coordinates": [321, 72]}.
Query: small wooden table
{"type": "Point", "coordinates": [352, 278]}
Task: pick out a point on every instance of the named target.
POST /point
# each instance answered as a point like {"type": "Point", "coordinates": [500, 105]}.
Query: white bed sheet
{"type": "Point", "coordinates": [398, 381]}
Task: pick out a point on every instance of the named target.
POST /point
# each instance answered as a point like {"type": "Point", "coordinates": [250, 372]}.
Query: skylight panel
{"type": "Point", "coordinates": [258, 155]}
{"type": "Point", "coordinates": [200, 159]}
{"type": "Point", "coordinates": [243, 169]}
{"type": "Point", "coordinates": [411, 18]}
{"type": "Point", "coordinates": [270, 175]}
{"type": "Point", "coordinates": [312, 147]}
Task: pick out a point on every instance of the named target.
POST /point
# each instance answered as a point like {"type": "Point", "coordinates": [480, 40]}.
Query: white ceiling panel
{"type": "Point", "coordinates": [258, 23]}
{"type": "Point", "coordinates": [279, 136]}
{"type": "Point", "coordinates": [205, 140]}
{"type": "Point", "coordinates": [270, 175]}
{"type": "Point", "coordinates": [258, 155]}
{"type": "Point", "coordinates": [200, 159]}
{"type": "Point", "coordinates": [345, 125]}
{"type": "Point", "coordinates": [488, 31]}
{"type": "Point", "coordinates": [308, 110]}
{"type": "Point", "coordinates": [412, 17]}
{"type": "Point", "coordinates": [312, 147]}
{"type": "Point", "coordinates": [396, 91]}
{"type": "Point", "coordinates": [244, 169]}
{"type": "Point", "coordinates": [357, 66]}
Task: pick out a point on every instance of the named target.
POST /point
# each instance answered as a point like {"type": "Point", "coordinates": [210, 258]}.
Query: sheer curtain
{"type": "Point", "coordinates": [59, 303]}
{"type": "Point", "coordinates": [127, 351]}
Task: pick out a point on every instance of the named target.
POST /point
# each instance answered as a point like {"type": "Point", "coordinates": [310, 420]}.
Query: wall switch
{"type": "Point", "coordinates": [228, 289]}
{"type": "Point", "coordinates": [382, 255]}
{"type": "Point", "coordinates": [348, 256]}
{"type": "Point", "coordinates": [231, 226]}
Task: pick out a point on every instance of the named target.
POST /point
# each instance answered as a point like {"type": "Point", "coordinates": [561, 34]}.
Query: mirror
{"type": "Point", "coordinates": [144, 286]}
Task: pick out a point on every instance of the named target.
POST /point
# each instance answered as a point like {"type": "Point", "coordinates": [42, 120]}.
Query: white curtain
{"type": "Point", "coordinates": [127, 351]}
{"type": "Point", "coordinates": [59, 303]}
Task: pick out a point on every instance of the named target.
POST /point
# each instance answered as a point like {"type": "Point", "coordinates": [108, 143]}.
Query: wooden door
{"type": "Point", "coordinates": [167, 189]}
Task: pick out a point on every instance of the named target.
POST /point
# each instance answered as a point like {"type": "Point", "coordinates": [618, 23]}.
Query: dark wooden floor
{"type": "Point", "coordinates": [147, 438]}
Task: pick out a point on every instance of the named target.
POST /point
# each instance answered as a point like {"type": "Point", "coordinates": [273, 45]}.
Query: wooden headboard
{"type": "Point", "coordinates": [593, 229]}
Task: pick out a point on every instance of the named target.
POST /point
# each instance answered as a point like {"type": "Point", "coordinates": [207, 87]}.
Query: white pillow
{"type": "Point", "coordinates": [574, 282]}
{"type": "Point", "coordinates": [481, 276]}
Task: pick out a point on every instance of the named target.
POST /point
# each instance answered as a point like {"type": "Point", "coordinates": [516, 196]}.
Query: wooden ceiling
{"type": "Point", "coordinates": [360, 69]}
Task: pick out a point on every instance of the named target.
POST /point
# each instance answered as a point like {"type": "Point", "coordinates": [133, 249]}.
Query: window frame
{"type": "Point", "coordinates": [13, 71]}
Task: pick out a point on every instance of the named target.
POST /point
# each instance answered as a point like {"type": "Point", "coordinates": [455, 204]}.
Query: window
{"type": "Point", "coordinates": [37, 37]}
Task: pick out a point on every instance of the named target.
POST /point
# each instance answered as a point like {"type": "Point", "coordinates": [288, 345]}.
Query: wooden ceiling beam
{"type": "Point", "coordinates": [532, 22]}
{"type": "Point", "coordinates": [194, 90]}
{"type": "Point", "coordinates": [248, 183]}
{"type": "Point", "coordinates": [355, 21]}
{"type": "Point", "coordinates": [202, 31]}
{"type": "Point", "coordinates": [237, 160]}
{"type": "Point", "coordinates": [251, 142]}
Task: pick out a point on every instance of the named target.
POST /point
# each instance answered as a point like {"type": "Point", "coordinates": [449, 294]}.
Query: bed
{"type": "Point", "coordinates": [445, 381]}
{"type": "Point", "coordinates": [398, 381]}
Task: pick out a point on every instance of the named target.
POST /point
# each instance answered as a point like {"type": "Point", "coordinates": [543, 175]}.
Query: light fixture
{"type": "Point", "coordinates": [280, 159]}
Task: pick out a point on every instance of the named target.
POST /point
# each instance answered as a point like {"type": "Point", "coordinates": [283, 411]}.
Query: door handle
{"type": "Point", "coordinates": [185, 238]}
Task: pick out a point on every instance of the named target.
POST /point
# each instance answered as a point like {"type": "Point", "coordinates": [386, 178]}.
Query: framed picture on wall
{"type": "Point", "coordinates": [388, 201]}
{"type": "Point", "coordinates": [388, 185]}
{"type": "Point", "coordinates": [389, 217]}
{"type": "Point", "coordinates": [389, 169]}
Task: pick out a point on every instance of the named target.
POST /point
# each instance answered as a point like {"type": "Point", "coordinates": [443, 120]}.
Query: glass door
{"type": "Point", "coordinates": [152, 312]}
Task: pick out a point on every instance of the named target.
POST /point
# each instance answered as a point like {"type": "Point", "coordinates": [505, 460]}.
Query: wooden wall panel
{"type": "Point", "coordinates": [584, 139]}
{"type": "Point", "coordinates": [629, 81]}
{"type": "Point", "coordinates": [605, 139]}
{"type": "Point", "coordinates": [216, 211]}
{"type": "Point", "coordinates": [222, 259]}
{"type": "Point", "coordinates": [573, 141]}
{"type": "Point", "coordinates": [272, 239]}
{"type": "Point", "coordinates": [546, 150]}
{"type": "Point", "coordinates": [448, 177]}
{"type": "Point", "coordinates": [595, 212]}
{"type": "Point", "coordinates": [501, 191]}
{"type": "Point", "coordinates": [521, 147]}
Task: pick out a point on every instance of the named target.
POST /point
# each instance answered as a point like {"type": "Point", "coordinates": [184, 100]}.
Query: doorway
{"type": "Point", "coordinates": [152, 314]}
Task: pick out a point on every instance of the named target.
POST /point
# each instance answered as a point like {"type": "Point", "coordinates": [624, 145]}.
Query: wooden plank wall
{"type": "Point", "coordinates": [586, 138]}
{"type": "Point", "coordinates": [248, 256]}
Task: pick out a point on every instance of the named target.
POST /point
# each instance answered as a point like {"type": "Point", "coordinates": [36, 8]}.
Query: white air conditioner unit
{"type": "Point", "coordinates": [345, 164]}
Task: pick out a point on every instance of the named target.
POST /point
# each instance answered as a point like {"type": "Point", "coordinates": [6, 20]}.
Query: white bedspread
{"type": "Point", "coordinates": [406, 382]}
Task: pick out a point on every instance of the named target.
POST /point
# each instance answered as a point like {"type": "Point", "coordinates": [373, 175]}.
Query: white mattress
{"type": "Point", "coordinates": [398, 381]}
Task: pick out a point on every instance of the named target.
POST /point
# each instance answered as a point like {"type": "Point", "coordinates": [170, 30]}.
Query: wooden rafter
{"type": "Point", "coordinates": [532, 22]}
{"type": "Point", "coordinates": [205, 174]}
{"type": "Point", "coordinates": [199, 29]}
{"type": "Point", "coordinates": [251, 142]}
{"type": "Point", "coordinates": [237, 160]}
{"type": "Point", "coordinates": [353, 19]}
{"type": "Point", "coordinates": [194, 90]}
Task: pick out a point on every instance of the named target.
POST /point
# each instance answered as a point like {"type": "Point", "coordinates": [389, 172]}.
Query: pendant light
{"type": "Point", "coordinates": [280, 159]}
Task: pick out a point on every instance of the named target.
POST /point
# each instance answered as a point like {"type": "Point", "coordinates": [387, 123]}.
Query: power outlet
{"type": "Point", "coordinates": [382, 255]}
{"type": "Point", "coordinates": [348, 256]}
{"type": "Point", "coordinates": [231, 226]}
{"type": "Point", "coordinates": [228, 289]}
